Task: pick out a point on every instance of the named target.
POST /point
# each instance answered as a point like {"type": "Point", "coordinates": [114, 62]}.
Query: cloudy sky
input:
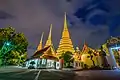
{"type": "Point", "coordinates": [90, 20]}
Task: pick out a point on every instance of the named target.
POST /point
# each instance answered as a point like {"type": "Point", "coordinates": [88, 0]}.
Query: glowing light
{"type": "Point", "coordinates": [115, 48]}
{"type": "Point", "coordinates": [7, 43]}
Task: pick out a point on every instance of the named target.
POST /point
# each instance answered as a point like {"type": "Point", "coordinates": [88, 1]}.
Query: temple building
{"type": "Point", "coordinates": [47, 57]}
{"type": "Point", "coordinates": [65, 42]}
{"type": "Point", "coordinates": [88, 58]}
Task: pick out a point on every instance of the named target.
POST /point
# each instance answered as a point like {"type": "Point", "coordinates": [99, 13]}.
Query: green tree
{"type": "Point", "coordinates": [13, 47]}
{"type": "Point", "coordinates": [67, 56]}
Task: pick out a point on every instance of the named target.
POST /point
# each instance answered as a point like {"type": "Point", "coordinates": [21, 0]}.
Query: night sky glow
{"type": "Point", "coordinates": [90, 20]}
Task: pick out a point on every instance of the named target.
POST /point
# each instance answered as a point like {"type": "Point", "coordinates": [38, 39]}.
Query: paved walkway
{"type": "Point", "coordinates": [19, 68]}
{"type": "Point", "coordinates": [11, 69]}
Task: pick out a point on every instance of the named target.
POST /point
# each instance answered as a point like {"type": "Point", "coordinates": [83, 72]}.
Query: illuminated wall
{"type": "Point", "coordinates": [50, 64]}
{"type": "Point", "coordinates": [86, 60]}
{"type": "Point", "coordinates": [43, 63]}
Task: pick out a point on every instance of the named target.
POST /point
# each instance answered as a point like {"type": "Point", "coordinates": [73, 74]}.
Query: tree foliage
{"type": "Point", "coordinates": [13, 47]}
{"type": "Point", "coordinates": [67, 56]}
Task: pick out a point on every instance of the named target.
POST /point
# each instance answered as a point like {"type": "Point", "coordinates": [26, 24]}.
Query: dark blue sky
{"type": "Point", "coordinates": [90, 20]}
{"type": "Point", "coordinates": [108, 17]}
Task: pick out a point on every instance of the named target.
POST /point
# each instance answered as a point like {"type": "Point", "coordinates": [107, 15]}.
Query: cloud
{"type": "Point", "coordinates": [35, 17]}
{"type": "Point", "coordinates": [98, 37]}
{"type": "Point", "coordinates": [5, 15]}
{"type": "Point", "coordinates": [100, 12]}
{"type": "Point", "coordinates": [68, 0]}
{"type": "Point", "coordinates": [95, 7]}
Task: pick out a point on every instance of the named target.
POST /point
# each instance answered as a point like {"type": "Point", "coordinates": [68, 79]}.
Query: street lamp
{"type": "Point", "coordinates": [7, 43]}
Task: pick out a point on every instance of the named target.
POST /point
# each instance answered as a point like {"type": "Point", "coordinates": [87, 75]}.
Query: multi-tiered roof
{"type": "Point", "coordinates": [65, 42]}
{"type": "Point", "coordinates": [48, 50]}
{"type": "Point", "coordinates": [65, 45]}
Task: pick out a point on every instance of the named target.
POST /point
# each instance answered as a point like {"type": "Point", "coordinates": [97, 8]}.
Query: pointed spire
{"type": "Point", "coordinates": [65, 30]}
{"type": "Point", "coordinates": [65, 22]}
{"type": "Point", "coordinates": [50, 32]}
{"type": "Point", "coordinates": [40, 44]}
{"type": "Point", "coordinates": [41, 37]}
{"type": "Point", "coordinates": [49, 41]}
{"type": "Point", "coordinates": [85, 46]}
{"type": "Point", "coordinates": [65, 43]}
